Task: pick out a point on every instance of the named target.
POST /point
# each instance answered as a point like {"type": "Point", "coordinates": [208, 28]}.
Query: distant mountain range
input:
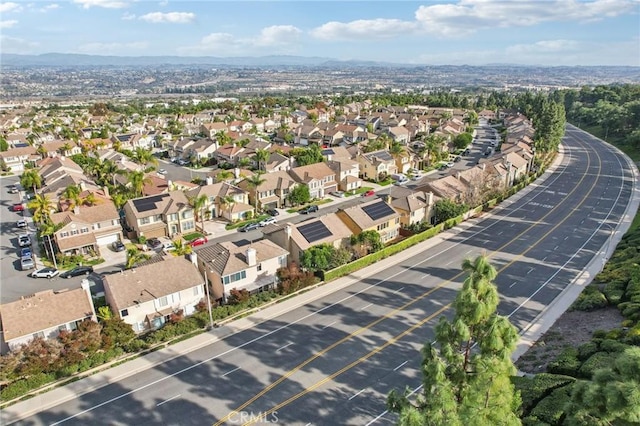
{"type": "Point", "coordinates": [72, 59]}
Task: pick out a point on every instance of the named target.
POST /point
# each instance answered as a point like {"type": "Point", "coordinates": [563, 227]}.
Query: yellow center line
{"type": "Point", "coordinates": [400, 309]}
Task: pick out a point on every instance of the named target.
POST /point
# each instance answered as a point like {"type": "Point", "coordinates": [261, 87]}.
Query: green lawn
{"type": "Point", "coordinates": [192, 236]}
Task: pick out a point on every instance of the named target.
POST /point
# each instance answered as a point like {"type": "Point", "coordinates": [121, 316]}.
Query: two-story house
{"type": "Point", "coordinates": [223, 200]}
{"type": "Point", "coordinates": [85, 229]}
{"type": "Point", "coordinates": [44, 315]}
{"type": "Point", "coordinates": [17, 158]}
{"type": "Point", "coordinates": [147, 296]}
{"type": "Point", "coordinates": [377, 164]}
{"type": "Point", "coordinates": [319, 177]}
{"type": "Point", "coordinates": [252, 267]}
{"type": "Point", "coordinates": [273, 192]}
{"type": "Point", "coordinates": [413, 206]}
{"type": "Point", "coordinates": [296, 238]}
{"type": "Point", "coordinates": [376, 215]}
{"type": "Point", "coordinates": [347, 172]}
{"type": "Point", "coordinates": [160, 215]}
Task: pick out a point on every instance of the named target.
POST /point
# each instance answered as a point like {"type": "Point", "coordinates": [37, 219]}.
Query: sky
{"type": "Point", "coordinates": [472, 32]}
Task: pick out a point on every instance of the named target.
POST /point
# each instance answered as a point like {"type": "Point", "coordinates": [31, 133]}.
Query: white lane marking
{"type": "Point", "coordinates": [285, 346]}
{"type": "Point", "coordinates": [230, 371]}
{"type": "Point", "coordinates": [353, 396]}
{"type": "Point", "coordinates": [366, 306]}
{"type": "Point", "coordinates": [167, 400]}
{"type": "Point", "coordinates": [329, 325]}
{"type": "Point", "coordinates": [566, 238]}
{"type": "Point", "coordinates": [514, 283]}
{"type": "Point", "coordinates": [398, 290]}
{"type": "Point", "coordinates": [469, 251]}
{"type": "Point", "coordinates": [400, 366]}
{"type": "Point", "coordinates": [529, 271]}
{"type": "Point", "coordinates": [544, 259]}
{"type": "Point", "coordinates": [283, 327]}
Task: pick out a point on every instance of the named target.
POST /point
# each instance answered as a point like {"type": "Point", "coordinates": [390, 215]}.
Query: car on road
{"type": "Point", "coordinates": [13, 189]}
{"type": "Point", "coordinates": [339, 194]}
{"type": "Point", "coordinates": [198, 241]}
{"type": "Point", "coordinates": [272, 212]}
{"type": "Point", "coordinates": [457, 159]}
{"type": "Point", "coordinates": [168, 246]}
{"type": "Point", "coordinates": [162, 172]}
{"type": "Point", "coordinates": [451, 164]}
{"type": "Point", "coordinates": [77, 271]}
{"type": "Point", "coordinates": [22, 223]}
{"type": "Point", "coordinates": [24, 241]}
{"type": "Point", "coordinates": [118, 246]}
{"type": "Point", "coordinates": [19, 207]}
{"type": "Point", "coordinates": [309, 209]}
{"type": "Point", "coordinates": [154, 244]}
{"type": "Point", "coordinates": [268, 221]}
{"type": "Point", "coordinates": [249, 227]}
{"type": "Point", "coordinates": [25, 252]}
{"type": "Point", "coordinates": [368, 193]}
{"type": "Point", "coordinates": [45, 273]}
{"type": "Point", "coordinates": [27, 263]}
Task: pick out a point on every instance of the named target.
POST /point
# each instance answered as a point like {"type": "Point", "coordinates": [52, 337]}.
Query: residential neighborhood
{"type": "Point", "coordinates": [104, 192]}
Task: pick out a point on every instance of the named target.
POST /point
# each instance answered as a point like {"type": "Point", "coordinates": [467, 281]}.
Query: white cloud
{"type": "Point", "coordinates": [468, 16]}
{"type": "Point", "coordinates": [51, 6]}
{"type": "Point", "coordinates": [278, 35]}
{"type": "Point", "coordinates": [170, 17]}
{"type": "Point", "coordinates": [363, 29]}
{"type": "Point", "coordinates": [8, 24]}
{"type": "Point", "coordinates": [128, 16]}
{"type": "Point", "coordinates": [10, 7]}
{"type": "Point", "coordinates": [544, 46]}
{"type": "Point", "coordinates": [107, 4]}
{"type": "Point", "coordinates": [16, 45]}
{"type": "Point", "coordinates": [112, 48]}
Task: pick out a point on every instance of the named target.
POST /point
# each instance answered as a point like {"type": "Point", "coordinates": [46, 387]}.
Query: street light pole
{"type": "Point", "coordinates": [206, 289]}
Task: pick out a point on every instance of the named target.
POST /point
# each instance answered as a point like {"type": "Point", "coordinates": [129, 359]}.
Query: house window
{"type": "Point", "coordinates": [234, 277]}
{"type": "Point", "coordinates": [74, 232]}
{"type": "Point", "coordinates": [259, 267]}
{"type": "Point", "coordinates": [196, 291]}
{"type": "Point", "coordinates": [383, 226]}
{"type": "Point", "coordinates": [39, 334]}
{"type": "Point", "coordinates": [282, 260]}
{"type": "Point", "coordinates": [144, 220]}
{"type": "Point", "coordinates": [62, 327]}
{"type": "Point", "coordinates": [163, 301]}
{"type": "Point", "coordinates": [84, 230]}
{"type": "Point", "coordinates": [188, 225]}
{"type": "Point", "coordinates": [124, 313]}
{"type": "Point", "coordinates": [188, 214]}
{"type": "Point", "coordinates": [64, 234]}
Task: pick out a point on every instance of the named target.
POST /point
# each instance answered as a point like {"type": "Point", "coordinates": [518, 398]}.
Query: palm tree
{"type": "Point", "coordinates": [138, 180]}
{"type": "Point", "coordinates": [90, 199]}
{"type": "Point", "coordinates": [198, 204]}
{"type": "Point", "coordinates": [134, 256]}
{"type": "Point", "coordinates": [109, 170]}
{"type": "Point", "coordinates": [224, 175]}
{"type": "Point", "coordinates": [31, 179]}
{"type": "Point", "coordinates": [261, 157]}
{"type": "Point", "coordinates": [41, 151]}
{"type": "Point", "coordinates": [72, 196]}
{"type": "Point", "coordinates": [396, 149]}
{"type": "Point", "coordinates": [180, 248]}
{"type": "Point", "coordinates": [42, 207]}
{"type": "Point", "coordinates": [226, 203]}
{"type": "Point", "coordinates": [64, 148]}
{"type": "Point", "coordinates": [254, 182]}
{"type": "Point", "coordinates": [144, 157]}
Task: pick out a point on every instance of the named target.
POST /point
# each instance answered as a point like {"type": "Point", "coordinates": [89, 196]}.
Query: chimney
{"type": "Point", "coordinates": [287, 231]}
{"type": "Point", "coordinates": [209, 180]}
{"type": "Point", "coordinates": [169, 184]}
{"type": "Point", "coordinates": [82, 185]}
{"type": "Point", "coordinates": [105, 189]}
{"type": "Point", "coordinates": [236, 173]}
{"type": "Point", "coordinates": [193, 257]}
{"type": "Point", "coordinates": [387, 198]}
{"type": "Point", "coordinates": [251, 256]}
{"type": "Point", "coordinates": [458, 175]}
{"type": "Point", "coordinates": [429, 198]}
{"type": "Point", "coordinates": [76, 209]}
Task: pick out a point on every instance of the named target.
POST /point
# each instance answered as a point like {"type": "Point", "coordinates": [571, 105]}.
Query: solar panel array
{"type": "Point", "coordinates": [378, 210]}
{"type": "Point", "coordinates": [314, 231]}
{"type": "Point", "coordinates": [328, 151]}
{"type": "Point", "coordinates": [148, 203]}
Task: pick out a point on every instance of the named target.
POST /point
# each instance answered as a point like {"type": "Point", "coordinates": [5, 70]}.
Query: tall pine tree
{"type": "Point", "coordinates": [467, 369]}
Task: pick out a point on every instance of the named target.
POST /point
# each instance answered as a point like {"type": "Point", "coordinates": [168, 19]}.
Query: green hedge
{"type": "Point", "coordinates": [22, 386]}
{"type": "Point", "coordinates": [534, 389]}
{"type": "Point", "coordinates": [551, 409]}
{"type": "Point", "coordinates": [566, 363]}
{"type": "Point", "coordinates": [595, 362]}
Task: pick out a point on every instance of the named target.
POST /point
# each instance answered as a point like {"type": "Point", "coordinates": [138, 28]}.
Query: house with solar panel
{"type": "Point", "coordinates": [377, 164]}
{"type": "Point", "coordinates": [161, 215]}
{"type": "Point", "coordinates": [376, 215]}
{"type": "Point", "coordinates": [298, 237]}
{"type": "Point", "coordinates": [231, 265]}
{"type": "Point", "coordinates": [319, 177]}
{"type": "Point", "coordinates": [223, 200]}
{"type": "Point", "coordinates": [273, 192]}
{"type": "Point", "coordinates": [413, 206]}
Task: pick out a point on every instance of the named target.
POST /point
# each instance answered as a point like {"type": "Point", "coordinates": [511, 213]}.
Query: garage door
{"type": "Point", "coordinates": [106, 240]}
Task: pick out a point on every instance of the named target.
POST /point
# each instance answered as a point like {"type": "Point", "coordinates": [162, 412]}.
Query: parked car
{"type": "Point", "coordinates": [198, 241]}
{"type": "Point", "coordinates": [118, 246]}
{"type": "Point", "coordinates": [22, 223]}
{"type": "Point", "coordinates": [268, 221]}
{"type": "Point", "coordinates": [27, 263]}
{"type": "Point", "coordinates": [451, 164]}
{"type": "Point", "coordinates": [17, 207]}
{"type": "Point", "coordinates": [272, 212]}
{"type": "Point", "coordinates": [24, 241]}
{"type": "Point", "coordinates": [154, 244]}
{"type": "Point", "coordinates": [13, 189]}
{"type": "Point", "coordinates": [168, 246]}
{"type": "Point", "coordinates": [339, 194]}
{"type": "Point", "coordinates": [249, 227]}
{"type": "Point", "coordinates": [77, 271]}
{"type": "Point", "coordinates": [368, 193]}
{"type": "Point", "coordinates": [162, 172]}
{"type": "Point", "coordinates": [309, 209]}
{"type": "Point", "coordinates": [45, 273]}
{"type": "Point", "coordinates": [25, 252]}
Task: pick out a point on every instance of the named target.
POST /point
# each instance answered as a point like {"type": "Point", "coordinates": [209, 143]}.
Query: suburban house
{"type": "Point", "coordinates": [211, 129]}
{"type": "Point", "coordinates": [347, 172]}
{"type": "Point", "coordinates": [376, 215]}
{"type": "Point", "coordinates": [296, 238]}
{"type": "Point", "coordinates": [375, 164]}
{"type": "Point", "coordinates": [16, 158]}
{"type": "Point", "coordinates": [44, 315]}
{"type": "Point", "coordinates": [229, 153]}
{"type": "Point", "coordinates": [449, 187]}
{"type": "Point", "coordinates": [319, 177]}
{"type": "Point", "coordinates": [202, 149]}
{"type": "Point", "coordinates": [413, 206]}
{"type": "Point", "coordinates": [223, 200]}
{"type": "Point", "coordinates": [399, 134]}
{"type": "Point", "coordinates": [251, 267]}
{"type": "Point", "coordinates": [273, 192]}
{"type": "Point", "coordinates": [278, 162]}
{"type": "Point", "coordinates": [85, 229]}
{"type": "Point", "coordinates": [60, 147]}
{"type": "Point", "coordinates": [160, 215]}
{"type": "Point", "coordinates": [146, 297]}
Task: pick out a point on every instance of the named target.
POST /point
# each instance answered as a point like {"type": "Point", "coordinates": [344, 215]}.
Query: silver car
{"type": "Point", "coordinates": [27, 263]}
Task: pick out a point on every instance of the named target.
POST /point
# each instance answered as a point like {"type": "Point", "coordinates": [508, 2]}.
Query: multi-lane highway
{"type": "Point", "coordinates": [334, 360]}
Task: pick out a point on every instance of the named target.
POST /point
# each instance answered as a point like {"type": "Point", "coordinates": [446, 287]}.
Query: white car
{"type": "Point", "coordinates": [24, 241]}
{"type": "Point", "coordinates": [268, 221]}
{"type": "Point", "coordinates": [21, 223]}
{"type": "Point", "coordinates": [339, 194]}
{"type": "Point", "coordinates": [451, 164]}
{"type": "Point", "coordinates": [45, 273]}
{"type": "Point", "coordinates": [162, 172]}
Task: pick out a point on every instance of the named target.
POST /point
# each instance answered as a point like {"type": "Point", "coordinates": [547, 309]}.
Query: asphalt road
{"type": "Point", "coordinates": [333, 361]}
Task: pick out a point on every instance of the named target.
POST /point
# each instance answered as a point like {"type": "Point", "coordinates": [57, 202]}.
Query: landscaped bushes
{"type": "Point", "coordinates": [566, 363]}
{"type": "Point", "coordinates": [551, 409]}
{"type": "Point", "coordinates": [534, 389]}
